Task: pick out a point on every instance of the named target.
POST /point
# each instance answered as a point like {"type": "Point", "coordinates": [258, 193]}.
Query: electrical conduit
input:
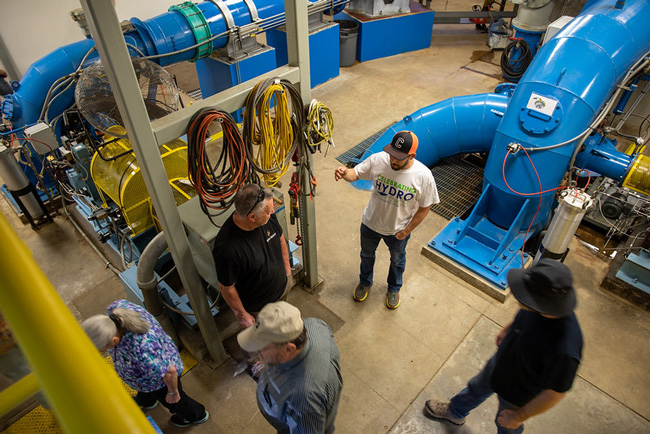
{"type": "Point", "coordinates": [148, 284]}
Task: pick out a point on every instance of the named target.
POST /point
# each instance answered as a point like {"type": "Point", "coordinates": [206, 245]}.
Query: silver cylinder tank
{"type": "Point", "coordinates": [15, 178]}
{"type": "Point", "coordinates": [572, 207]}
{"type": "Point", "coordinates": [533, 15]}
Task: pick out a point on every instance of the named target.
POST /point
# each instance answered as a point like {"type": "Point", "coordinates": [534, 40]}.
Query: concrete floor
{"type": "Point", "coordinates": [392, 361]}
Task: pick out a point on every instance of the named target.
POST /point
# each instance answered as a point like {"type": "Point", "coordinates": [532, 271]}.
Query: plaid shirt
{"type": "Point", "coordinates": [141, 361]}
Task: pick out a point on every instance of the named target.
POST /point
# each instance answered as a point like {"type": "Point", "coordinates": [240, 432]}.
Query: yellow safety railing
{"type": "Point", "coordinates": [85, 393]}
{"type": "Point", "coordinates": [18, 393]}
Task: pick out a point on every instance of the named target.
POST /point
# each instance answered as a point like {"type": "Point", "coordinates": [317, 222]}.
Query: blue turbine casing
{"type": "Point", "coordinates": [580, 67]}
{"type": "Point", "coordinates": [566, 86]}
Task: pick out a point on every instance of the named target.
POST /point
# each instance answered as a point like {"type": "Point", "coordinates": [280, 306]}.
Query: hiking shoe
{"type": "Point", "coordinates": [361, 292]}
{"type": "Point", "coordinates": [393, 299]}
{"type": "Point", "coordinates": [149, 407]}
{"type": "Point", "coordinates": [440, 410]}
{"type": "Point", "coordinates": [181, 422]}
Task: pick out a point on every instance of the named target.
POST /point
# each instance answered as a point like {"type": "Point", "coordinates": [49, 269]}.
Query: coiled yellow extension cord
{"type": "Point", "coordinates": [320, 124]}
{"type": "Point", "coordinates": [271, 139]}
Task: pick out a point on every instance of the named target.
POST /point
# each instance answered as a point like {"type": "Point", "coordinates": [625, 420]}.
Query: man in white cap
{"type": "Point", "coordinates": [300, 386]}
{"type": "Point", "coordinates": [537, 357]}
{"type": "Point", "coordinates": [403, 192]}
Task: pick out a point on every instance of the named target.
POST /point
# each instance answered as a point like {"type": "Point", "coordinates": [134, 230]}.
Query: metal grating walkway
{"type": "Point", "coordinates": [459, 186]}
{"type": "Point", "coordinates": [348, 158]}
{"type": "Point", "coordinates": [195, 94]}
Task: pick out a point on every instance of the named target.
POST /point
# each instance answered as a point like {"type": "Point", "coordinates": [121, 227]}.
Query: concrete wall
{"type": "Point", "coordinates": [33, 28]}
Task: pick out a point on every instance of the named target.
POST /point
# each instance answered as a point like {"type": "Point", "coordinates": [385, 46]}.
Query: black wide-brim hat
{"type": "Point", "coordinates": [546, 287]}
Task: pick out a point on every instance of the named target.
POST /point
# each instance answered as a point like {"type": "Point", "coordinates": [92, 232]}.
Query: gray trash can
{"type": "Point", "coordinates": [348, 32]}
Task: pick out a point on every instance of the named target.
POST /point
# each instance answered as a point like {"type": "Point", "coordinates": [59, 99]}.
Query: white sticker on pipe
{"type": "Point", "coordinates": [541, 104]}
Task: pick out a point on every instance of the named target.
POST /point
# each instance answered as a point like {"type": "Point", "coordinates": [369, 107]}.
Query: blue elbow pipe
{"type": "Point", "coordinates": [24, 106]}
{"type": "Point", "coordinates": [578, 69]}
{"type": "Point", "coordinates": [458, 125]}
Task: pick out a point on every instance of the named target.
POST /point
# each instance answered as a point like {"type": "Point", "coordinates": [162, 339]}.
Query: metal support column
{"type": "Point", "coordinates": [8, 62]}
{"type": "Point", "coordinates": [298, 54]}
{"type": "Point", "coordinates": [107, 33]}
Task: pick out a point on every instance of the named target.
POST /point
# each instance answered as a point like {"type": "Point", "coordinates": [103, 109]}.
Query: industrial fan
{"type": "Point", "coordinates": [114, 168]}
{"type": "Point", "coordinates": [97, 104]}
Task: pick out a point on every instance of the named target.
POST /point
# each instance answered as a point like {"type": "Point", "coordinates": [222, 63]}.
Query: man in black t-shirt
{"type": "Point", "coordinates": [251, 255]}
{"type": "Point", "coordinates": [537, 357]}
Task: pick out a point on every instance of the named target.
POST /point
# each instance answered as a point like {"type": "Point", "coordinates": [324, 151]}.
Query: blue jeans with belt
{"type": "Point", "coordinates": [397, 248]}
{"type": "Point", "coordinates": [478, 390]}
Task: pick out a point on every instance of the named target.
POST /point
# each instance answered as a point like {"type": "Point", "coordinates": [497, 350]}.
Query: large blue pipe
{"type": "Point", "coordinates": [167, 33]}
{"type": "Point", "coordinates": [458, 125]}
{"type": "Point", "coordinates": [569, 82]}
{"type": "Point", "coordinates": [579, 69]}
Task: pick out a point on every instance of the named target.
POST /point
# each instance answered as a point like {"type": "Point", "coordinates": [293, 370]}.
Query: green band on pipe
{"type": "Point", "coordinates": [199, 26]}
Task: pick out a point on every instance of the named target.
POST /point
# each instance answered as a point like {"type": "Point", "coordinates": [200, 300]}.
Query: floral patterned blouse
{"type": "Point", "coordinates": [141, 360]}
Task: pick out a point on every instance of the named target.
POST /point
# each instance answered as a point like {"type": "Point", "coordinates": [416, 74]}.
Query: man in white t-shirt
{"type": "Point", "coordinates": [403, 192]}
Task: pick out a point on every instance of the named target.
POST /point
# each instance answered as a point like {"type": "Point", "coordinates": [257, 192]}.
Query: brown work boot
{"type": "Point", "coordinates": [440, 410]}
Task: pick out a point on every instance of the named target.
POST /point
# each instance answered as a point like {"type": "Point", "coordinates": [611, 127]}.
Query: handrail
{"type": "Point", "coordinates": [18, 393]}
{"type": "Point", "coordinates": [84, 392]}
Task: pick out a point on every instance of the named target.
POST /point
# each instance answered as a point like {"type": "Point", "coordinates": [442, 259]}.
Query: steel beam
{"type": "Point", "coordinates": [110, 43]}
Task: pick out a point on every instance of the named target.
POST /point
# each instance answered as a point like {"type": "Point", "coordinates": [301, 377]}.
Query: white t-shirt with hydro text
{"type": "Point", "coordinates": [396, 194]}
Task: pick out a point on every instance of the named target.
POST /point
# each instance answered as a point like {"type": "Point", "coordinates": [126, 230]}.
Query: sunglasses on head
{"type": "Point", "coordinates": [260, 197]}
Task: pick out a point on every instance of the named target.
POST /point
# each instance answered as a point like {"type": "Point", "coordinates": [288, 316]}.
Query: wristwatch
{"type": "Point", "coordinates": [171, 393]}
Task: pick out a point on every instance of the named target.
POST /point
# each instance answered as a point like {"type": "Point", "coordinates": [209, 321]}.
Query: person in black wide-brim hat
{"type": "Point", "coordinates": [537, 357]}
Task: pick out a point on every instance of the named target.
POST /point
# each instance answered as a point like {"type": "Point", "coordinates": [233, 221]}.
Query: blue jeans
{"type": "Point", "coordinates": [478, 390]}
{"type": "Point", "coordinates": [397, 248]}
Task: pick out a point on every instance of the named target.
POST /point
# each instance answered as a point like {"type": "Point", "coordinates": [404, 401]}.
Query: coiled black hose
{"type": "Point", "coordinates": [513, 69]}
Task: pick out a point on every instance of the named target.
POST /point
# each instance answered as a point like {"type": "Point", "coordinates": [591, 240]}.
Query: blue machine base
{"type": "Point", "coordinates": [217, 75]}
{"type": "Point", "coordinates": [134, 295]}
{"type": "Point", "coordinates": [323, 51]}
{"type": "Point", "coordinates": [636, 270]}
{"type": "Point", "coordinates": [407, 32]}
{"type": "Point", "coordinates": [473, 251]}
{"type": "Point", "coordinates": [133, 246]}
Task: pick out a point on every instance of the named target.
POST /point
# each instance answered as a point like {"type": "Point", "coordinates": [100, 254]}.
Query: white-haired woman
{"type": "Point", "coordinates": [145, 358]}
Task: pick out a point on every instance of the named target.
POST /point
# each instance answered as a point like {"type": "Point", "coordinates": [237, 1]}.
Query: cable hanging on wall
{"type": "Point", "coordinates": [216, 184]}
{"type": "Point", "coordinates": [273, 125]}
{"type": "Point", "coordinates": [320, 125]}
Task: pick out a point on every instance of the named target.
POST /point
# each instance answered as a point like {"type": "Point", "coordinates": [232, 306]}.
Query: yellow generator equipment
{"type": "Point", "coordinates": [120, 180]}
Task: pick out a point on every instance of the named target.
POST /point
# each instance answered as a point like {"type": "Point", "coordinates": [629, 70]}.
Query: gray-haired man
{"type": "Point", "coordinates": [299, 389]}
{"type": "Point", "coordinates": [251, 254]}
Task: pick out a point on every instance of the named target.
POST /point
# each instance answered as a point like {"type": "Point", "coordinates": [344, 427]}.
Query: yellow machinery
{"type": "Point", "coordinates": [120, 179]}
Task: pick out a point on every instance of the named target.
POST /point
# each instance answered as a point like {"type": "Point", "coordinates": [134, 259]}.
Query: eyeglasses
{"type": "Point", "coordinates": [260, 197]}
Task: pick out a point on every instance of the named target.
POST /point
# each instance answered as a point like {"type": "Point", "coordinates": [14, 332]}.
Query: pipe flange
{"type": "Point", "coordinates": [541, 114]}
{"type": "Point", "coordinates": [199, 26]}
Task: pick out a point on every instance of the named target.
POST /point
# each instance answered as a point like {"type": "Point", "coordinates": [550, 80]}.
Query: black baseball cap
{"type": "Point", "coordinates": [546, 287]}
{"type": "Point", "coordinates": [403, 145]}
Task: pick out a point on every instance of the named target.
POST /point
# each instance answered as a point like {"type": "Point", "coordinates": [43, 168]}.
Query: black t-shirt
{"type": "Point", "coordinates": [537, 353]}
{"type": "Point", "coordinates": [252, 261]}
